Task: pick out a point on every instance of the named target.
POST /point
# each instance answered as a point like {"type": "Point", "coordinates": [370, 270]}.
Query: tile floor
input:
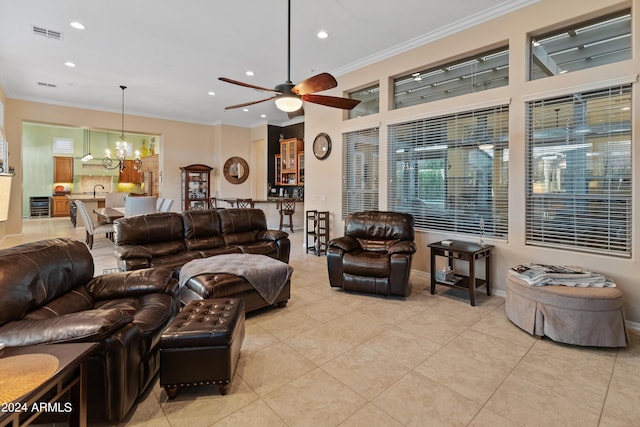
{"type": "Point", "coordinates": [336, 359]}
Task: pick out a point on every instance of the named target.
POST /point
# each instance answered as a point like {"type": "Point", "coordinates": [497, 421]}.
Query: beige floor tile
{"type": "Point", "coordinates": [607, 420]}
{"type": "Point", "coordinates": [285, 323]}
{"type": "Point", "coordinates": [435, 326]}
{"type": "Point", "coordinates": [256, 338]}
{"type": "Point", "coordinates": [486, 418]}
{"type": "Point", "coordinates": [256, 413]}
{"type": "Point", "coordinates": [320, 344]}
{"type": "Point", "coordinates": [623, 398]}
{"type": "Point", "coordinates": [487, 349]}
{"type": "Point", "coordinates": [148, 413]}
{"type": "Point", "coordinates": [325, 310]}
{"type": "Point", "coordinates": [497, 324]}
{"type": "Point", "coordinates": [301, 296]}
{"type": "Point", "coordinates": [271, 367]}
{"type": "Point", "coordinates": [370, 416]}
{"type": "Point", "coordinates": [203, 405]}
{"type": "Point", "coordinates": [365, 371]}
{"type": "Point", "coordinates": [531, 405]}
{"type": "Point", "coordinates": [474, 379]}
{"type": "Point", "coordinates": [416, 400]}
{"type": "Point", "coordinates": [315, 399]}
{"type": "Point", "coordinates": [402, 346]}
{"type": "Point", "coordinates": [566, 376]}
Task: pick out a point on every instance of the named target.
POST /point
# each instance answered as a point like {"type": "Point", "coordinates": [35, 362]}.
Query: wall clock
{"type": "Point", "coordinates": [322, 146]}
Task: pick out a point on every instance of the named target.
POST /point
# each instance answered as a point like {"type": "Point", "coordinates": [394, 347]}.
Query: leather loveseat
{"type": "Point", "coordinates": [48, 294]}
{"type": "Point", "coordinates": [172, 239]}
{"type": "Point", "coordinates": [374, 255]}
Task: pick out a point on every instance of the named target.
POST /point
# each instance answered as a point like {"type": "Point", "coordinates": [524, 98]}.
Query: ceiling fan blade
{"type": "Point", "coordinates": [236, 82]}
{"type": "Point", "coordinates": [230, 107]}
{"type": "Point", "coordinates": [298, 112]}
{"type": "Point", "coordinates": [314, 84]}
{"type": "Point", "coordinates": [332, 101]}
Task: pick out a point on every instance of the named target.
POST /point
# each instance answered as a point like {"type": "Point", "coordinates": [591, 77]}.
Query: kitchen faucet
{"type": "Point", "coordinates": [94, 189]}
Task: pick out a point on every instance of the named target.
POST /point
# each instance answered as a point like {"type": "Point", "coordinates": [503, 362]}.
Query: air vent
{"type": "Point", "coordinates": [47, 84]}
{"type": "Point", "coordinates": [44, 32]}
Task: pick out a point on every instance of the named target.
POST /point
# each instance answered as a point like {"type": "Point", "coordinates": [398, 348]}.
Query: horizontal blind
{"type": "Point", "coordinates": [360, 160]}
{"type": "Point", "coordinates": [451, 172]}
{"type": "Point", "coordinates": [579, 172]}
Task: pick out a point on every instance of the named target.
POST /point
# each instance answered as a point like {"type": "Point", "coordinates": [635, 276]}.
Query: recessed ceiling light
{"type": "Point", "coordinates": [77, 25]}
{"type": "Point", "coordinates": [245, 109]}
{"type": "Point", "coordinates": [249, 73]}
{"type": "Point", "coordinates": [263, 115]}
{"type": "Point", "coordinates": [211, 93]}
{"type": "Point", "coordinates": [70, 64]}
{"type": "Point", "coordinates": [322, 34]}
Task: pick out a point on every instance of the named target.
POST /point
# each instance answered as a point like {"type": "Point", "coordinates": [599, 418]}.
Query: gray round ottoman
{"type": "Point", "coordinates": [581, 316]}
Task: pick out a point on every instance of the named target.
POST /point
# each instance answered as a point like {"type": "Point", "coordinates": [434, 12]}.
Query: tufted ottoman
{"type": "Point", "coordinates": [202, 345]}
{"type": "Point", "coordinates": [580, 316]}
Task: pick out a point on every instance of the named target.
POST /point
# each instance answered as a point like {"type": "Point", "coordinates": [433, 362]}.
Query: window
{"type": "Point", "coordinates": [485, 71]}
{"type": "Point", "coordinates": [586, 45]}
{"type": "Point", "coordinates": [360, 171]}
{"type": "Point", "coordinates": [579, 172]}
{"type": "Point", "coordinates": [451, 172]}
{"type": "Point", "coordinates": [369, 98]}
{"type": "Point", "coordinates": [63, 146]}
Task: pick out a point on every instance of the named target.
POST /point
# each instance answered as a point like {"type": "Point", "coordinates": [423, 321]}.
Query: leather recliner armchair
{"type": "Point", "coordinates": [48, 294]}
{"type": "Point", "coordinates": [374, 255]}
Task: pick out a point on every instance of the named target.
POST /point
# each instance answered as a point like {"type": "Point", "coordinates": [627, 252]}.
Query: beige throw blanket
{"type": "Point", "coordinates": [267, 275]}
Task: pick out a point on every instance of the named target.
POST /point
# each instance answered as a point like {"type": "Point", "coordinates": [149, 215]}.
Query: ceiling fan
{"type": "Point", "coordinates": [288, 96]}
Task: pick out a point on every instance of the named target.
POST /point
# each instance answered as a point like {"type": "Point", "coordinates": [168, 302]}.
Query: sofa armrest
{"type": "Point", "coordinates": [82, 326]}
{"type": "Point", "coordinates": [345, 243]}
{"type": "Point", "coordinates": [403, 247]}
{"type": "Point", "coordinates": [132, 251]}
{"type": "Point", "coordinates": [132, 283]}
{"type": "Point", "coordinates": [271, 235]}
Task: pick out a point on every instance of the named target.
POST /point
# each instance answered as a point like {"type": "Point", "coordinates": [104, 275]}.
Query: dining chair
{"type": "Point", "coordinates": [287, 208]}
{"type": "Point", "coordinates": [91, 227]}
{"type": "Point", "coordinates": [213, 203]}
{"type": "Point", "coordinates": [139, 205]}
{"type": "Point", "coordinates": [166, 205]}
{"type": "Point", "coordinates": [114, 200]}
{"type": "Point", "coordinates": [245, 203]}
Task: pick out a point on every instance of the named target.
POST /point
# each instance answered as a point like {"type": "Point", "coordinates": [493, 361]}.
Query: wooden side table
{"type": "Point", "coordinates": [463, 251]}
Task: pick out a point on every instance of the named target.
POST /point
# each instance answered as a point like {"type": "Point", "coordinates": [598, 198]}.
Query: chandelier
{"type": "Point", "coordinates": [122, 149]}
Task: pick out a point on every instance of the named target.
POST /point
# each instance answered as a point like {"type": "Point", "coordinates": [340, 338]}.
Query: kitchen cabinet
{"type": "Point", "coordinates": [290, 150]}
{"type": "Point", "coordinates": [130, 174]}
{"type": "Point", "coordinates": [62, 169]}
{"type": "Point", "coordinates": [278, 168]}
{"type": "Point", "coordinates": [61, 205]}
{"type": "Point", "coordinates": [195, 186]}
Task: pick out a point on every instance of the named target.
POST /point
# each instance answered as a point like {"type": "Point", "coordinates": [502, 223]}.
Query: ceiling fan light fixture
{"type": "Point", "coordinates": [289, 103]}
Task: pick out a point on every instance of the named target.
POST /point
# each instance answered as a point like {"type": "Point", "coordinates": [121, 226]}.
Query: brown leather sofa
{"type": "Point", "coordinates": [374, 255]}
{"type": "Point", "coordinates": [48, 294]}
{"type": "Point", "coordinates": [172, 239]}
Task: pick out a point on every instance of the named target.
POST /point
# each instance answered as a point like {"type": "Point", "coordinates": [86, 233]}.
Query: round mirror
{"type": "Point", "coordinates": [236, 170]}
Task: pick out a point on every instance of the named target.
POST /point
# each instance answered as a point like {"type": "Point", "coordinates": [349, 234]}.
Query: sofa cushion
{"type": "Point", "coordinates": [134, 283]}
{"type": "Point", "coordinates": [368, 264]}
{"type": "Point", "coordinates": [241, 225]}
{"type": "Point", "coordinates": [261, 248]}
{"type": "Point", "coordinates": [88, 325]}
{"type": "Point", "coordinates": [71, 302]}
{"type": "Point", "coordinates": [202, 229]}
{"type": "Point", "coordinates": [159, 233]}
{"type": "Point", "coordinates": [36, 273]}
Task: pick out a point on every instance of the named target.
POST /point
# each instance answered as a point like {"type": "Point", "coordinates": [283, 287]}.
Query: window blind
{"type": "Point", "coordinates": [451, 172]}
{"type": "Point", "coordinates": [360, 156]}
{"type": "Point", "coordinates": [579, 172]}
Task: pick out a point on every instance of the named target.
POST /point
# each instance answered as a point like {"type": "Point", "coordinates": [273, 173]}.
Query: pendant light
{"type": "Point", "coordinates": [121, 148]}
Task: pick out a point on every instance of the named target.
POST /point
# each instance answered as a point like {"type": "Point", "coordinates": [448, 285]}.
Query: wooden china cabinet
{"type": "Point", "coordinates": [195, 186]}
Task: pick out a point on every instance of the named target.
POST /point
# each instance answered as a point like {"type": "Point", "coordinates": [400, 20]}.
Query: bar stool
{"type": "Point", "coordinates": [288, 208]}
{"type": "Point", "coordinates": [245, 203]}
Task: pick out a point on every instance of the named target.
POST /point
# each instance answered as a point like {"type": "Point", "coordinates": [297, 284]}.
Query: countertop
{"type": "Point", "coordinates": [86, 197]}
{"type": "Point", "coordinates": [268, 200]}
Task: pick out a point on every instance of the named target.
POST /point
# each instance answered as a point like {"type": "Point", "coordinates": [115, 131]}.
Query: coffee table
{"type": "Point", "coordinates": [69, 376]}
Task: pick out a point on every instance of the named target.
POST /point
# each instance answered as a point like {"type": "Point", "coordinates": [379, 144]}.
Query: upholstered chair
{"type": "Point", "coordinates": [374, 255]}
{"type": "Point", "coordinates": [91, 227]}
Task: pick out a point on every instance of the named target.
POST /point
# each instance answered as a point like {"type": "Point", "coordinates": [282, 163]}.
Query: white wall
{"type": "Point", "coordinates": [323, 178]}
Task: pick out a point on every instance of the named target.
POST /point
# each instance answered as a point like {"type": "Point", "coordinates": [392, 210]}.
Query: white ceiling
{"type": "Point", "coordinates": [170, 53]}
